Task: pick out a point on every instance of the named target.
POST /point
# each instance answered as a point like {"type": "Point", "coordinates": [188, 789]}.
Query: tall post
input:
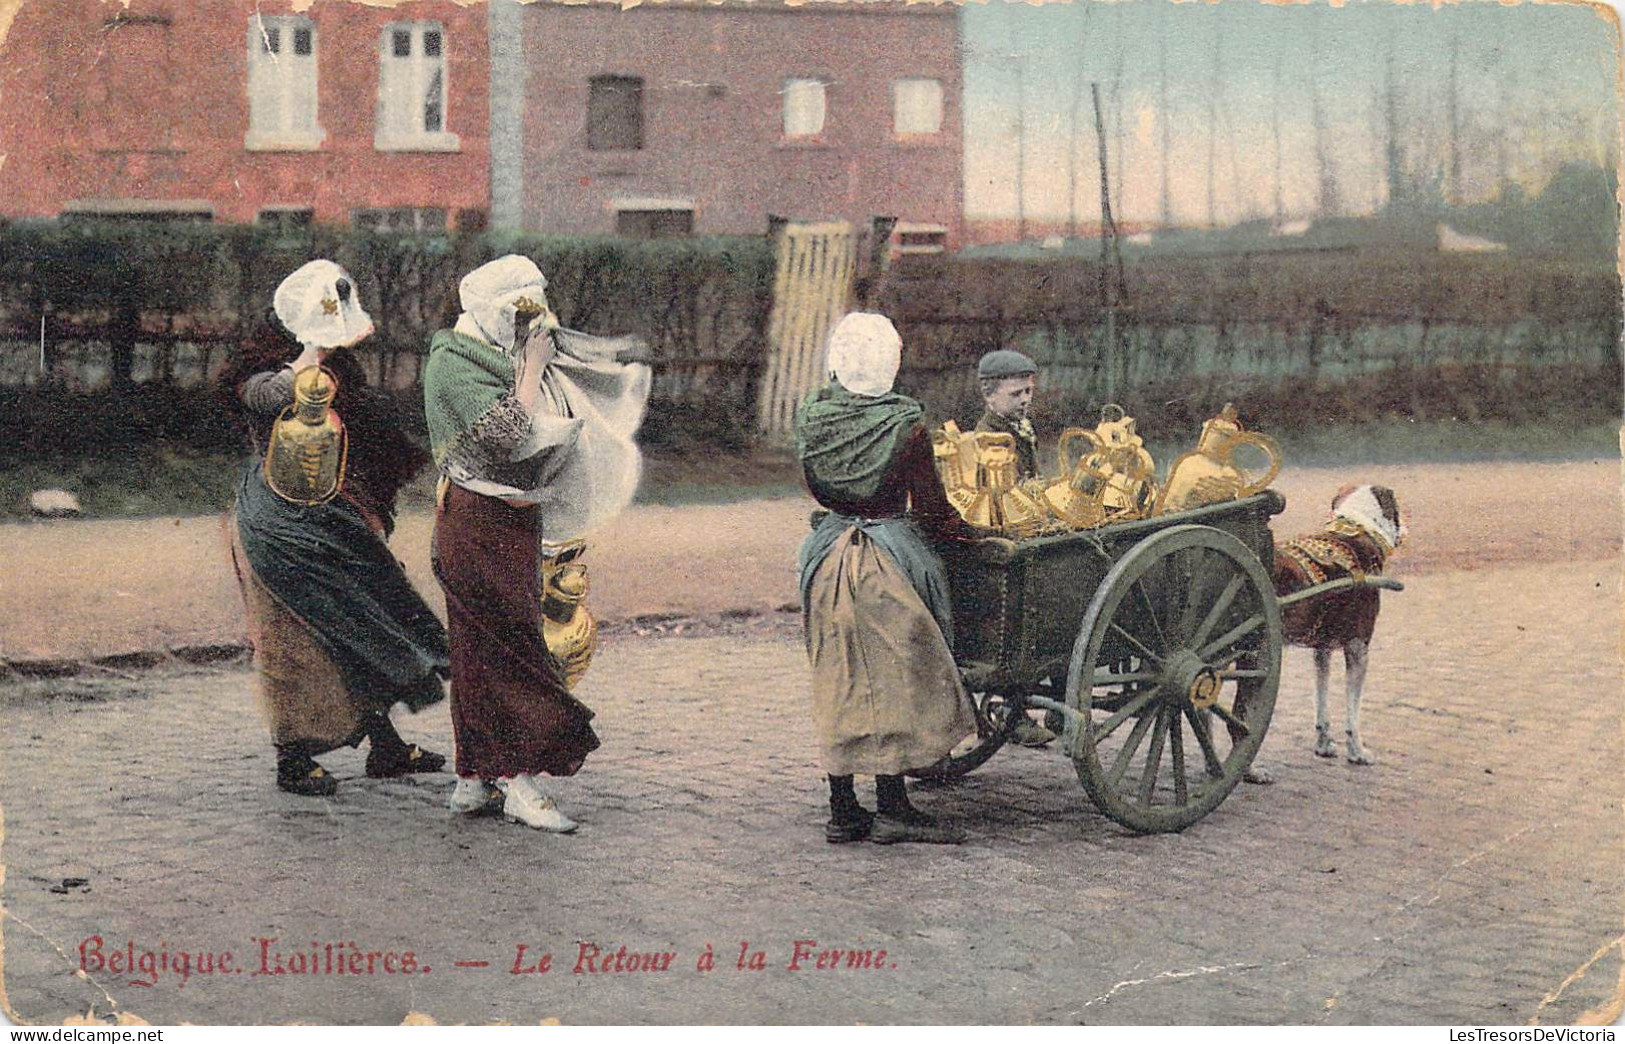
{"type": "Point", "coordinates": [1213, 117]}
{"type": "Point", "coordinates": [1275, 129]}
{"type": "Point", "coordinates": [1019, 59]}
{"type": "Point", "coordinates": [1453, 110]}
{"type": "Point", "coordinates": [1165, 119]}
{"type": "Point", "coordinates": [1108, 237]}
{"type": "Point", "coordinates": [1396, 163]}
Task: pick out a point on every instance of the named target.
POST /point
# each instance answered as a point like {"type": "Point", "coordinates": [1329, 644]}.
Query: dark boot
{"type": "Point", "coordinates": [298, 773]}
{"type": "Point", "coordinates": [392, 756]}
{"type": "Point", "coordinates": [897, 821]}
{"type": "Point", "coordinates": [848, 820]}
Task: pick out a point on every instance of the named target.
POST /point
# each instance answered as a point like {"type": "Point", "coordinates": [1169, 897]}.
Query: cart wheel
{"type": "Point", "coordinates": [1184, 629]}
{"type": "Point", "coordinates": [993, 724]}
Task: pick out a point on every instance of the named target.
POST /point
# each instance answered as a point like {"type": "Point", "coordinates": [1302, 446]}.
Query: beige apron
{"type": "Point", "coordinates": [886, 694]}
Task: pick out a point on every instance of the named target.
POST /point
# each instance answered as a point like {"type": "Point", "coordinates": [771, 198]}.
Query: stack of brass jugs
{"type": "Point", "coordinates": [1111, 480]}
{"type": "Point", "coordinates": [980, 474]}
{"type": "Point", "coordinates": [1114, 481]}
{"type": "Point", "coordinates": [1106, 475]}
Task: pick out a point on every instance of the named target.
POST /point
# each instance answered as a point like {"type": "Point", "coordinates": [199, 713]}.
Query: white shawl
{"type": "Point", "coordinates": [586, 417]}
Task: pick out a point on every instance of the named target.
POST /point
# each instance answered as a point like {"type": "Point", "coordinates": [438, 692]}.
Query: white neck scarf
{"type": "Point", "coordinates": [586, 419]}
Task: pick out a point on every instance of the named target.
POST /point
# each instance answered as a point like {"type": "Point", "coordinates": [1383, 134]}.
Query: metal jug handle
{"type": "Point", "coordinates": [1263, 442]}
{"type": "Point", "coordinates": [1063, 459]}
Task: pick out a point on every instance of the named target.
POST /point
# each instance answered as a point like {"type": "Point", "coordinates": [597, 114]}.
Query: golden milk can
{"type": "Point", "coordinates": [304, 461]}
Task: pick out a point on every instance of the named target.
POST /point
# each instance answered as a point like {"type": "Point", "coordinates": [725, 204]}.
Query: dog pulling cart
{"type": "Point", "coordinates": [1157, 642]}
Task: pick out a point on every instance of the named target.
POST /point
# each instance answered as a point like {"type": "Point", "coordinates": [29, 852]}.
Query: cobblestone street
{"type": "Point", "coordinates": [1466, 878]}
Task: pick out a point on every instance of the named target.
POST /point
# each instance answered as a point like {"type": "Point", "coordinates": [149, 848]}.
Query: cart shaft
{"type": "Point", "coordinates": [1340, 584]}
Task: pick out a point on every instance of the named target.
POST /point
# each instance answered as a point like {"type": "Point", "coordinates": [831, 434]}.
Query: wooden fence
{"type": "Point", "coordinates": [811, 288]}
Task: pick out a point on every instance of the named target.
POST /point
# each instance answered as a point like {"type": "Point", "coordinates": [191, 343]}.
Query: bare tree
{"type": "Point", "coordinates": [1397, 195]}
{"type": "Point", "coordinates": [1506, 84]}
{"type": "Point", "coordinates": [1111, 253]}
{"type": "Point", "coordinates": [1453, 115]}
{"type": "Point", "coordinates": [1214, 89]}
{"type": "Point", "coordinates": [1165, 121]}
{"type": "Point", "coordinates": [1275, 132]}
{"type": "Point", "coordinates": [1328, 201]}
{"type": "Point", "coordinates": [1020, 58]}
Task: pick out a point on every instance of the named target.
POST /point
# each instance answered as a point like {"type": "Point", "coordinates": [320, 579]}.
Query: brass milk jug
{"type": "Point", "coordinates": [1075, 497]}
{"type": "Point", "coordinates": [1209, 474]}
{"type": "Point", "coordinates": [948, 451]}
{"type": "Point", "coordinates": [1014, 511]}
{"type": "Point", "coordinates": [568, 628]}
{"type": "Point", "coordinates": [304, 462]}
{"type": "Point", "coordinates": [1130, 473]}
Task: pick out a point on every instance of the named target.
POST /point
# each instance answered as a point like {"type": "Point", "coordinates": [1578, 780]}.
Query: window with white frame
{"type": "Point", "coordinates": [916, 106]}
{"type": "Point", "coordinates": [282, 83]}
{"type": "Point", "coordinates": [803, 108]}
{"type": "Point", "coordinates": [412, 89]}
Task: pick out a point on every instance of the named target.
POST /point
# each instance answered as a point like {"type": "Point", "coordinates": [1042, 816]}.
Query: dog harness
{"type": "Point", "coordinates": [1323, 556]}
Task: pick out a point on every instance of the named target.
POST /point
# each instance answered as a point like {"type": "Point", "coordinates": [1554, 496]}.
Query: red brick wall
{"type": "Point", "coordinates": [158, 112]}
{"type": "Point", "coordinates": [724, 149]}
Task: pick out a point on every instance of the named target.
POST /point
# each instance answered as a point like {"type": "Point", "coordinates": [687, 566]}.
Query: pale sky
{"type": "Point", "coordinates": [1535, 86]}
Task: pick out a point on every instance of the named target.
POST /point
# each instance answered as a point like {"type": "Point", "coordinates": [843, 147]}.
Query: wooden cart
{"type": "Point", "coordinates": [1154, 646]}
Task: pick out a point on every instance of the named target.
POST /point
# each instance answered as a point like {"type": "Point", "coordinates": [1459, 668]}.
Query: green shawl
{"type": "Point", "coordinates": [847, 442]}
{"type": "Point", "coordinates": [463, 378]}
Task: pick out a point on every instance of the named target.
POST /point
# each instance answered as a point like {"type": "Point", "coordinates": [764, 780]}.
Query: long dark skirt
{"type": "Point", "coordinates": [510, 709]}
{"type": "Point", "coordinates": [319, 579]}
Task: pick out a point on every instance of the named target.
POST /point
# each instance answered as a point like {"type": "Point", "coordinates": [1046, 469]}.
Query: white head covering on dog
{"type": "Point", "coordinates": [587, 415]}
{"type": "Point", "coordinates": [1363, 509]}
{"type": "Point", "coordinates": [319, 305]}
{"type": "Point", "coordinates": [864, 353]}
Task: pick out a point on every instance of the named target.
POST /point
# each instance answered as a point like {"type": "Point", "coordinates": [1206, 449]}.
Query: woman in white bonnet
{"type": "Point", "coordinates": [887, 696]}
{"type": "Point", "coordinates": [532, 428]}
{"type": "Point", "coordinates": [340, 634]}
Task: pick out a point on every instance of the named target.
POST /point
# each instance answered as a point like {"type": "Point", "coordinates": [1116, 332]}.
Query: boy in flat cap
{"type": "Point", "coordinates": [1008, 380]}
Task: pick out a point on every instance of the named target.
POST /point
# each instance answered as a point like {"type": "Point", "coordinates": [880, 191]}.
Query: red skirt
{"type": "Point", "coordinates": [511, 712]}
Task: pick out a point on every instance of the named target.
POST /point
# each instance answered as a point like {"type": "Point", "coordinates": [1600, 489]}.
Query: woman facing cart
{"type": "Point", "coordinates": [887, 695]}
{"type": "Point", "coordinates": [532, 428]}
{"type": "Point", "coordinates": [340, 635]}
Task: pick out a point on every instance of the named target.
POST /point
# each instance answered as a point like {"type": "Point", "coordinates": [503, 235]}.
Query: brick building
{"type": "Point", "coordinates": [669, 118]}
{"type": "Point", "coordinates": [690, 116]}
{"type": "Point", "coordinates": [244, 110]}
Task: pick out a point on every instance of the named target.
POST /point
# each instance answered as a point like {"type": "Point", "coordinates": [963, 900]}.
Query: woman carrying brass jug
{"type": "Point", "coordinates": [532, 428]}
{"type": "Point", "coordinates": [340, 635]}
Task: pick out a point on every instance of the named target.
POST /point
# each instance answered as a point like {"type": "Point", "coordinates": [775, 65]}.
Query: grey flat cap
{"type": "Point", "coordinates": [1005, 363]}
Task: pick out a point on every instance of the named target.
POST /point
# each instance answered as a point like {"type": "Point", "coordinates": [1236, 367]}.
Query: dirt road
{"type": "Point", "coordinates": [91, 588]}
{"type": "Point", "coordinates": [1470, 877]}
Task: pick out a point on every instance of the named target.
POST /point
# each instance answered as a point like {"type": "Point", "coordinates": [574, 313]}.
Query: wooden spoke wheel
{"type": "Point", "coordinates": [994, 719]}
{"type": "Point", "coordinates": [1175, 671]}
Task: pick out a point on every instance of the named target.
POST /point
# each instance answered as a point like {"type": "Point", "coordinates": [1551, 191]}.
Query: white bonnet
{"type": "Point", "coordinates": [864, 353]}
{"type": "Point", "coordinates": [491, 294]}
{"type": "Point", "coordinates": [319, 305]}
